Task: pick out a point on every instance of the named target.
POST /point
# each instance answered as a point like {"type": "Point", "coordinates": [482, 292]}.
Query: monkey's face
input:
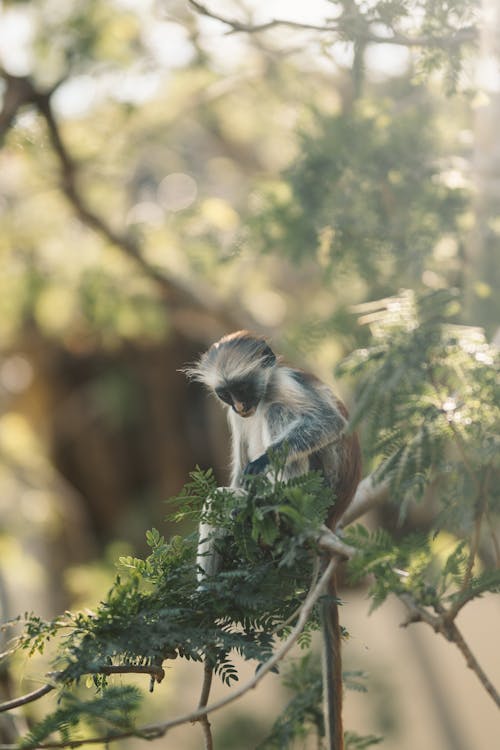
{"type": "Point", "coordinates": [242, 396]}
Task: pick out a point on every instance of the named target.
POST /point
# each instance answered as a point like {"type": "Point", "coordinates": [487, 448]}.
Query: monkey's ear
{"type": "Point", "coordinates": [268, 357]}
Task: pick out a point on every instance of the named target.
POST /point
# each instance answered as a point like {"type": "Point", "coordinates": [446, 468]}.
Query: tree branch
{"type": "Point", "coordinates": [205, 692]}
{"type": "Point", "coordinates": [441, 623]}
{"type": "Point", "coordinates": [157, 672]}
{"type": "Point", "coordinates": [191, 311]}
{"type": "Point", "coordinates": [369, 493]}
{"type": "Point", "coordinates": [25, 699]}
{"type": "Point", "coordinates": [176, 295]}
{"type": "Point", "coordinates": [455, 37]}
{"type": "Point", "coordinates": [331, 543]}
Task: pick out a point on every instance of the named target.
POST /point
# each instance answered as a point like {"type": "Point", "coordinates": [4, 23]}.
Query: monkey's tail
{"type": "Point", "coordinates": [332, 669]}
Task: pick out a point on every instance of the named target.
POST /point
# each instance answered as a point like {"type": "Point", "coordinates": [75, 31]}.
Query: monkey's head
{"type": "Point", "coordinates": [237, 369]}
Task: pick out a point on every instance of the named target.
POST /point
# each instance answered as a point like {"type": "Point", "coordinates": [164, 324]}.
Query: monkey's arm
{"type": "Point", "coordinates": [239, 453]}
{"type": "Point", "coordinates": [302, 436]}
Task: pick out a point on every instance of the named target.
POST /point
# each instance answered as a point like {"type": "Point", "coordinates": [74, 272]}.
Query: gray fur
{"type": "Point", "coordinates": [293, 409]}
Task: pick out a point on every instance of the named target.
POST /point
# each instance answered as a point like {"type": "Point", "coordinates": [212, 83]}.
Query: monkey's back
{"type": "Point", "coordinates": [301, 395]}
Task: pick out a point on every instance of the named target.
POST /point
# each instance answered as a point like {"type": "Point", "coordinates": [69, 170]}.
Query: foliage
{"type": "Point", "coordinates": [157, 610]}
{"type": "Point", "coordinates": [303, 711]}
{"type": "Point", "coordinates": [112, 711]}
{"type": "Point", "coordinates": [365, 192]}
{"type": "Point", "coordinates": [428, 395]}
{"type": "Point", "coordinates": [366, 183]}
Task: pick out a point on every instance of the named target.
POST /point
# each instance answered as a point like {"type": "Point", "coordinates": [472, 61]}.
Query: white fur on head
{"type": "Point", "coordinates": [231, 358]}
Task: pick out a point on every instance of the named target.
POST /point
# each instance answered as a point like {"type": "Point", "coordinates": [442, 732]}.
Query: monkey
{"type": "Point", "coordinates": [272, 407]}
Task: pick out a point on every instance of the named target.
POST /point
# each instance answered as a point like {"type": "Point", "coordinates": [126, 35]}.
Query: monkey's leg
{"type": "Point", "coordinates": [208, 559]}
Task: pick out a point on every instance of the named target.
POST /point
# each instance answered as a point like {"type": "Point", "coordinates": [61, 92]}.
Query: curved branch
{"type": "Point", "coordinates": [175, 294]}
{"type": "Point", "coordinates": [28, 698]}
{"type": "Point", "coordinates": [193, 312]}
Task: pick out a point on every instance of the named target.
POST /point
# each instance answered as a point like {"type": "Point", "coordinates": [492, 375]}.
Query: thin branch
{"type": "Point", "coordinates": [157, 672]}
{"type": "Point", "coordinates": [28, 698]}
{"type": "Point", "coordinates": [175, 294]}
{"type": "Point", "coordinates": [455, 37]}
{"type": "Point", "coordinates": [154, 731]}
{"type": "Point", "coordinates": [369, 493]}
{"type": "Point", "coordinates": [331, 543]}
{"type": "Point", "coordinates": [282, 625]}
{"type": "Point", "coordinates": [471, 661]}
{"type": "Point", "coordinates": [192, 311]}
{"type": "Point", "coordinates": [462, 596]}
{"type": "Point", "coordinates": [205, 693]}
{"type": "Point", "coordinates": [442, 624]}
{"type": "Point", "coordinates": [494, 539]}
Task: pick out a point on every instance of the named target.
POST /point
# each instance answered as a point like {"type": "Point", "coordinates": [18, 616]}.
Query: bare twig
{"type": "Point", "coordinates": [442, 624]}
{"type": "Point", "coordinates": [28, 698]}
{"type": "Point", "coordinates": [369, 493]}
{"type": "Point", "coordinates": [456, 637]}
{"type": "Point", "coordinates": [455, 37]}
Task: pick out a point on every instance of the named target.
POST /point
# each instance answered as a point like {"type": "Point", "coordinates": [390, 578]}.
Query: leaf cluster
{"type": "Point", "coordinates": [157, 609]}
{"type": "Point", "coordinates": [112, 711]}
{"type": "Point", "coordinates": [365, 193]}
{"type": "Point", "coordinates": [303, 712]}
{"type": "Point", "coordinates": [428, 396]}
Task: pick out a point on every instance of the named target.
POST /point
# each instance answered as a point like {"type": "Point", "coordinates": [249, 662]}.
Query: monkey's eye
{"type": "Point", "coordinates": [224, 395]}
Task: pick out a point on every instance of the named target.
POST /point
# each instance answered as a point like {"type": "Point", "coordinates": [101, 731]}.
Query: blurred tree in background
{"type": "Point", "coordinates": [172, 170]}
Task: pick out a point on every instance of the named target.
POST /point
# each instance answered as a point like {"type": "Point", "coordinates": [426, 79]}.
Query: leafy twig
{"type": "Point", "coordinates": [154, 731]}
{"type": "Point", "coordinates": [157, 672]}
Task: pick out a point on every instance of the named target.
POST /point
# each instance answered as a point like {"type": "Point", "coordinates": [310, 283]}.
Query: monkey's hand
{"type": "Point", "coordinates": [258, 466]}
